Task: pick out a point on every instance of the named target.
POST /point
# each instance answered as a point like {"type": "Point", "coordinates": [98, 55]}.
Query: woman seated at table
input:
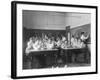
{"type": "Point", "coordinates": [58, 42]}
{"type": "Point", "coordinates": [64, 43]}
{"type": "Point", "coordinates": [29, 46]}
{"type": "Point", "coordinates": [33, 44]}
{"type": "Point", "coordinates": [73, 42]}
{"type": "Point", "coordinates": [50, 44]}
{"type": "Point", "coordinates": [36, 44]}
{"type": "Point", "coordinates": [80, 44]}
{"type": "Point", "coordinates": [77, 43]}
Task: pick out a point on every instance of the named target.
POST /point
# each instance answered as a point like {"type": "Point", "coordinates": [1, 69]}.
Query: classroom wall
{"type": "Point", "coordinates": [54, 20]}
{"type": "Point", "coordinates": [77, 19]}
{"type": "Point", "coordinates": [43, 20]}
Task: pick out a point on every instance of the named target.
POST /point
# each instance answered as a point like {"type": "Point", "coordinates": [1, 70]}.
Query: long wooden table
{"type": "Point", "coordinates": [72, 55]}
{"type": "Point", "coordinates": [47, 58]}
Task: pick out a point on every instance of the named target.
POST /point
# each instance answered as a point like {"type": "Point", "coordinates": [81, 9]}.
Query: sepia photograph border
{"type": "Point", "coordinates": [14, 32]}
